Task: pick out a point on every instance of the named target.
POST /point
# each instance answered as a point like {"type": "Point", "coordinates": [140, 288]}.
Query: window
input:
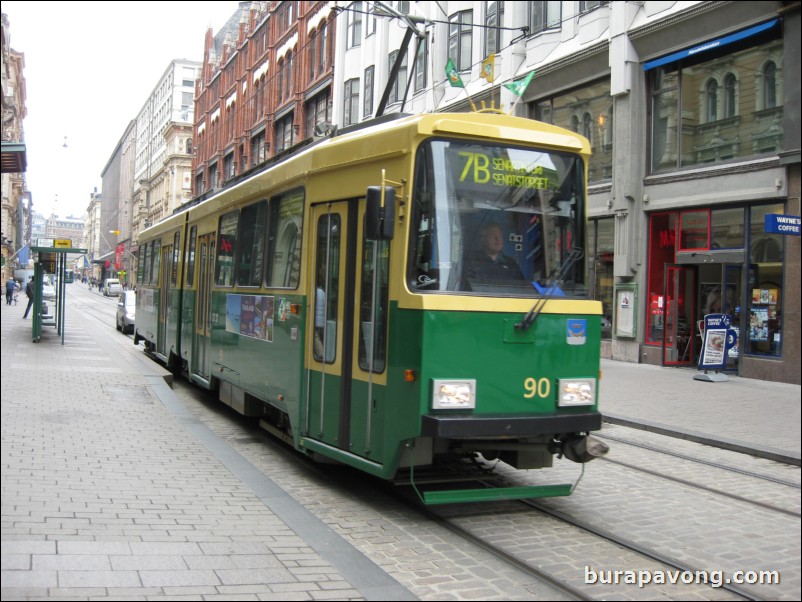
{"type": "Point", "coordinates": [421, 59]}
{"type": "Point", "coordinates": [399, 85]}
{"type": "Point", "coordinates": [712, 100]}
{"type": "Point", "coordinates": [193, 235]}
{"type": "Point", "coordinates": [460, 29]}
{"type": "Point", "coordinates": [226, 249]}
{"type": "Point", "coordinates": [176, 256]}
{"type": "Point", "coordinates": [188, 77]}
{"type": "Point", "coordinates": [351, 105]}
{"type": "Point", "coordinates": [543, 15]}
{"type": "Point", "coordinates": [156, 258]}
{"type": "Point", "coordinates": [285, 77]}
{"type": "Point", "coordinates": [590, 5]}
{"type": "Point", "coordinates": [353, 30]}
{"type": "Point", "coordinates": [284, 239]}
{"type": "Point", "coordinates": [213, 176]}
{"type": "Point", "coordinates": [727, 228]}
{"type": "Point", "coordinates": [730, 96]}
{"type": "Point", "coordinates": [258, 148]}
{"type": "Point", "coordinates": [229, 166]}
{"type": "Point", "coordinates": [494, 20]}
{"type": "Point", "coordinates": [367, 101]}
{"type": "Point", "coordinates": [692, 111]}
{"type": "Point", "coordinates": [317, 112]}
{"type": "Point", "coordinates": [770, 85]}
{"type": "Point", "coordinates": [284, 133]}
{"type": "Point", "coordinates": [327, 270]}
{"type": "Point", "coordinates": [251, 244]}
{"type": "Point", "coordinates": [575, 110]}
{"type": "Point", "coordinates": [601, 239]}
{"type": "Point", "coordinates": [373, 318]}
{"type": "Point", "coordinates": [694, 230]}
{"type": "Point", "coordinates": [317, 53]}
{"type": "Point", "coordinates": [763, 331]}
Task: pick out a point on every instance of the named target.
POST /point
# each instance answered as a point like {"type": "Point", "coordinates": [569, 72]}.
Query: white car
{"type": "Point", "coordinates": [126, 312]}
{"type": "Point", "coordinates": [48, 292]}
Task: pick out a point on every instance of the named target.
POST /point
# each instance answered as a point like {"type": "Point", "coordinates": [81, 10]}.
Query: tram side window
{"type": "Point", "coordinates": [373, 305]}
{"type": "Point", "coordinates": [327, 283]}
{"type": "Point", "coordinates": [284, 239]}
{"type": "Point", "coordinates": [226, 249]}
{"type": "Point", "coordinates": [174, 270]}
{"type": "Point", "coordinates": [146, 267]}
{"type": "Point", "coordinates": [251, 245]}
{"type": "Point", "coordinates": [155, 257]}
{"type": "Point", "coordinates": [193, 234]}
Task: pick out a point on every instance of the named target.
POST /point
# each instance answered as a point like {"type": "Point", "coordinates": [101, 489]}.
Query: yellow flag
{"type": "Point", "coordinates": [487, 68]}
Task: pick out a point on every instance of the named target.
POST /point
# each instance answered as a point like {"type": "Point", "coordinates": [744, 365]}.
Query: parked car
{"type": "Point", "coordinates": [112, 287]}
{"type": "Point", "coordinates": [126, 312]}
{"type": "Point", "coordinates": [48, 292]}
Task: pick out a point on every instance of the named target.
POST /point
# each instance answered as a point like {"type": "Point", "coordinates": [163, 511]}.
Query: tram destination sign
{"type": "Point", "coordinates": [783, 224]}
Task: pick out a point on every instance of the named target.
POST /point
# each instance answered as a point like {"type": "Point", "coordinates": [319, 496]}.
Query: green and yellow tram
{"type": "Point", "coordinates": [395, 295]}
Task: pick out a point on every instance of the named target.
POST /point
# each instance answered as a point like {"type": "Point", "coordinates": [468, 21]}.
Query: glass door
{"type": "Point", "coordinates": [732, 305]}
{"type": "Point", "coordinates": [678, 339]}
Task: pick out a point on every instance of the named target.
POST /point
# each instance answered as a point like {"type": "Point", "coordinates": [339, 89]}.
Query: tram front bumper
{"type": "Point", "coordinates": [457, 426]}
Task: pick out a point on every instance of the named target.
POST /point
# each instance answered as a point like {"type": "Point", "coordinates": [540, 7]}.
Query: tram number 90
{"type": "Point", "coordinates": [537, 387]}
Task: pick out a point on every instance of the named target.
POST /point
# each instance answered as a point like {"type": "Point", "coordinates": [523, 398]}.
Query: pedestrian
{"type": "Point", "coordinates": [11, 287]}
{"type": "Point", "coordinates": [29, 293]}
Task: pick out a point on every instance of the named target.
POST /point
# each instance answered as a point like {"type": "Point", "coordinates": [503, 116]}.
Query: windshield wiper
{"type": "Point", "coordinates": [550, 287]}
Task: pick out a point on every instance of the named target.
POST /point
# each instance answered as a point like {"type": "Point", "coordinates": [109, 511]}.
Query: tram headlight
{"type": "Point", "coordinates": [577, 392]}
{"type": "Point", "coordinates": [453, 394]}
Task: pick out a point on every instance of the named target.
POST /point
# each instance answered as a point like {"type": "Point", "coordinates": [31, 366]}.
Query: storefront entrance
{"type": "Point", "coordinates": [717, 288]}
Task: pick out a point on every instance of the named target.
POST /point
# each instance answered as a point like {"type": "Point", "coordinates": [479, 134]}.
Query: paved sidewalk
{"type": "Point", "coordinates": [111, 489]}
{"type": "Point", "coordinates": [758, 417]}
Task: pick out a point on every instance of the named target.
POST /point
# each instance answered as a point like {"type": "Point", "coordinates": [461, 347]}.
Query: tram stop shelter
{"type": "Point", "coordinates": [50, 260]}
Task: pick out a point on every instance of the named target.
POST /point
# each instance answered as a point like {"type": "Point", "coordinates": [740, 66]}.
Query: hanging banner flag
{"type": "Point", "coordinates": [519, 87]}
{"type": "Point", "coordinates": [487, 68]}
{"type": "Point", "coordinates": [453, 75]}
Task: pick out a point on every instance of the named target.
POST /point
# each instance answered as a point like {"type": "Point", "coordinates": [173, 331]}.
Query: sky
{"type": "Point", "coordinates": [89, 68]}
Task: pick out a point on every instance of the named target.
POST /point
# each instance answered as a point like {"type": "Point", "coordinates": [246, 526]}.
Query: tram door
{"type": "Point", "coordinates": [678, 334]}
{"type": "Point", "coordinates": [164, 299]}
{"type": "Point", "coordinates": [203, 304]}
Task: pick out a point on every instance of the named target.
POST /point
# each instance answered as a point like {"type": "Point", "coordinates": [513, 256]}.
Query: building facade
{"type": "Point", "coordinates": [692, 112]}
{"type": "Point", "coordinates": [15, 206]}
{"type": "Point", "coordinates": [266, 84]}
{"type": "Point", "coordinates": [691, 109]}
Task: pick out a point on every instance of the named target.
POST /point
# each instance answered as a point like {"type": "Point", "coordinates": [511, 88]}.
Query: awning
{"type": "Point", "coordinates": [711, 45]}
{"type": "Point", "coordinates": [15, 158]}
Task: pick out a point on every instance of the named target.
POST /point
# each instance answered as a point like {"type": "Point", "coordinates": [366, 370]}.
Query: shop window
{"type": "Point", "coordinates": [727, 228]}
{"type": "Point", "coordinates": [601, 238]}
{"type": "Point", "coordinates": [694, 230]}
{"type": "Point", "coordinates": [763, 331]}
{"type": "Point", "coordinates": [662, 247]}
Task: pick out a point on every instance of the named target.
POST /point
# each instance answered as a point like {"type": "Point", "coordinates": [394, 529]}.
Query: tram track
{"type": "Point", "coordinates": [661, 474]}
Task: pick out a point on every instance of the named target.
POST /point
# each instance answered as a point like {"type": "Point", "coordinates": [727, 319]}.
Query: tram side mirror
{"type": "Point", "coordinates": [380, 213]}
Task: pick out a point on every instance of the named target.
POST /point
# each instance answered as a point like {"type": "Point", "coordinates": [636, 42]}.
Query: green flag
{"type": "Point", "coordinates": [453, 75]}
{"type": "Point", "coordinates": [519, 87]}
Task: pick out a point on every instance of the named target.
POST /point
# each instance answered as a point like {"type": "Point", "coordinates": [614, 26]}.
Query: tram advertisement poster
{"type": "Point", "coordinates": [251, 316]}
{"type": "Point", "coordinates": [718, 339]}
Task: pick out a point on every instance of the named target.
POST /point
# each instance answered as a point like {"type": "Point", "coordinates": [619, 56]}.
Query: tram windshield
{"type": "Point", "coordinates": [497, 220]}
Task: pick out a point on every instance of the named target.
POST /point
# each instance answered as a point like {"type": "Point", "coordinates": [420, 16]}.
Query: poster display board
{"type": "Point", "coordinates": [718, 339]}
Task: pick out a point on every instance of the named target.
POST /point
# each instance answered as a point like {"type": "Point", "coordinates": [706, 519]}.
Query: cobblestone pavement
{"type": "Point", "coordinates": [115, 486]}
